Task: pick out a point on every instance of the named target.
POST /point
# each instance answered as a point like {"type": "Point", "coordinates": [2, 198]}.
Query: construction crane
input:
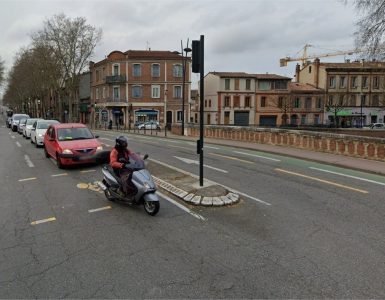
{"type": "Point", "coordinates": [305, 57]}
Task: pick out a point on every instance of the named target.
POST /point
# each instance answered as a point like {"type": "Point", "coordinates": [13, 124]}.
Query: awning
{"type": "Point", "coordinates": [347, 112]}
{"type": "Point", "coordinates": [146, 112]}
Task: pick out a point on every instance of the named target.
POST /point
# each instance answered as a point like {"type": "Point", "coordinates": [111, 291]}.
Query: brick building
{"type": "Point", "coordinates": [138, 86]}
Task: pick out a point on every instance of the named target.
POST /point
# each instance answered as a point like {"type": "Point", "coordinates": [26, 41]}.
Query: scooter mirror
{"type": "Point", "coordinates": [145, 156]}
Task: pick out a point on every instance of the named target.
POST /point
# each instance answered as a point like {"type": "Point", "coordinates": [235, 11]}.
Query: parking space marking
{"type": "Point", "coordinates": [12, 136]}
{"type": "Point", "coordinates": [43, 221]}
{"type": "Point", "coordinates": [18, 144]}
{"type": "Point", "coordinates": [27, 179]}
{"type": "Point", "coordinates": [99, 209]}
{"type": "Point", "coordinates": [323, 181]}
{"type": "Point", "coordinates": [57, 175]}
{"type": "Point", "coordinates": [28, 161]}
{"type": "Point", "coordinates": [87, 171]}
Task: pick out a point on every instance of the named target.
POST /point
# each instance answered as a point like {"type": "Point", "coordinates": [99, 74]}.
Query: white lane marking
{"type": "Point", "coordinates": [349, 176]}
{"type": "Point", "coordinates": [53, 161]}
{"type": "Point", "coordinates": [27, 179]}
{"type": "Point", "coordinates": [12, 136]}
{"type": "Point", "coordinates": [18, 144]}
{"type": "Point", "coordinates": [107, 139]}
{"type": "Point", "coordinates": [87, 171]}
{"type": "Point", "coordinates": [176, 142]}
{"type": "Point", "coordinates": [190, 161]}
{"type": "Point", "coordinates": [184, 208]}
{"type": "Point", "coordinates": [254, 155]}
{"type": "Point", "coordinates": [210, 147]}
{"type": "Point", "coordinates": [210, 181]}
{"type": "Point", "coordinates": [43, 221]}
{"type": "Point", "coordinates": [28, 160]}
{"type": "Point", "coordinates": [99, 209]}
{"type": "Point", "coordinates": [57, 175]}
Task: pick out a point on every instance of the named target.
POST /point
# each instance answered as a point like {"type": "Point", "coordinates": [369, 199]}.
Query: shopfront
{"type": "Point", "coordinates": [145, 115]}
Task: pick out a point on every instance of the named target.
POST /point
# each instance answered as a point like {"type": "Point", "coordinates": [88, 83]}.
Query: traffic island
{"type": "Point", "coordinates": [187, 188]}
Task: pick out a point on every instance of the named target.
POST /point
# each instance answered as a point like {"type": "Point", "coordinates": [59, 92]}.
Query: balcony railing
{"type": "Point", "coordinates": [116, 79]}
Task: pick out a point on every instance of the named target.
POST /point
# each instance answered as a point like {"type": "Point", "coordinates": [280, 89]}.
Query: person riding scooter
{"type": "Point", "coordinates": [119, 158]}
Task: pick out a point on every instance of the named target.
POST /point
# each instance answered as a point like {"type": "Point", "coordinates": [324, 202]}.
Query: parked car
{"type": "Point", "coordinates": [16, 119]}
{"type": "Point", "coordinates": [38, 130]}
{"type": "Point", "coordinates": [149, 125]}
{"type": "Point", "coordinates": [8, 122]}
{"type": "Point", "coordinates": [28, 126]}
{"type": "Point", "coordinates": [21, 125]}
{"type": "Point", "coordinates": [377, 126]}
{"type": "Point", "coordinates": [71, 144]}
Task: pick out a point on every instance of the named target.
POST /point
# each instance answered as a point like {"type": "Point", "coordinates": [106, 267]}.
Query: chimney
{"type": "Point", "coordinates": [316, 73]}
{"type": "Point", "coordinates": [297, 70]}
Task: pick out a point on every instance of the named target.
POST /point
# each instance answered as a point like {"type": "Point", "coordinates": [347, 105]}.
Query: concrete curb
{"type": "Point", "coordinates": [191, 198]}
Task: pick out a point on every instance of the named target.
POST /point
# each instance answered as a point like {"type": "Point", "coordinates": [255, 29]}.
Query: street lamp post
{"type": "Point", "coordinates": [361, 117]}
{"type": "Point", "coordinates": [185, 52]}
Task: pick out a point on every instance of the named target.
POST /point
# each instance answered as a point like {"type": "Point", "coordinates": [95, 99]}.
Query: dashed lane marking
{"type": "Point", "coordinates": [43, 221]}
{"type": "Point", "coordinates": [323, 181]}
{"type": "Point", "coordinates": [27, 179]}
{"type": "Point", "coordinates": [18, 144]}
{"type": "Point", "coordinates": [258, 156]}
{"type": "Point", "coordinates": [28, 161]}
{"type": "Point", "coordinates": [107, 139]}
{"type": "Point", "coordinates": [87, 171]}
{"type": "Point", "coordinates": [12, 136]}
{"type": "Point", "coordinates": [99, 209]}
{"type": "Point", "coordinates": [58, 175]}
{"type": "Point", "coordinates": [233, 158]}
{"type": "Point", "coordinates": [174, 146]}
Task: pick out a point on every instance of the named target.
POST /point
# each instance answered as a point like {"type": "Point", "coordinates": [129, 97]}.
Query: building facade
{"type": "Point", "coordinates": [354, 92]}
{"type": "Point", "coordinates": [237, 98]}
{"type": "Point", "coordinates": [139, 86]}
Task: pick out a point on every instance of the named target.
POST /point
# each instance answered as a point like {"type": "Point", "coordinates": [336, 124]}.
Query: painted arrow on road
{"type": "Point", "coordinates": [195, 162]}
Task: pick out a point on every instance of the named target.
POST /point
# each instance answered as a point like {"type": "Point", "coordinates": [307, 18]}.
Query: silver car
{"type": "Point", "coordinates": [16, 119]}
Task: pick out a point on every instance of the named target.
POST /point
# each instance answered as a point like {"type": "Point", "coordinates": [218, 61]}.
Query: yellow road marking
{"type": "Point", "coordinates": [233, 158]}
{"type": "Point", "coordinates": [82, 185]}
{"type": "Point", "coordinates": [43, 221]}
{"type": "Point", "coordinates": [99, 209]}
{"type": "Point", "coordinates": [27, 179]}
{"type": "Point", "coordinates": [324, 181]}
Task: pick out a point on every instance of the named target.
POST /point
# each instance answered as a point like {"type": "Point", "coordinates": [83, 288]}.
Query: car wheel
{"type": "Point", "coordinates": [46, 153]}
{"type": "Point", "coordinates": [58, 162]}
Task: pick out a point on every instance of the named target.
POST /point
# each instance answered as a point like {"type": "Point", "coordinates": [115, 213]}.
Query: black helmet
{"type": "Point", "coordinates": [121, 143]}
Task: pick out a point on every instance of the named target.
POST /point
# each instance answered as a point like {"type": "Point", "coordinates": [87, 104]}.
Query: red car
{"type": "Point", "coordinates": [71, 144]}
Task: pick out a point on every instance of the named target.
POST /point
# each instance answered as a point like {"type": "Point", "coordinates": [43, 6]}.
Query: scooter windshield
{"type": "Point", "coordinates": [136, 162]}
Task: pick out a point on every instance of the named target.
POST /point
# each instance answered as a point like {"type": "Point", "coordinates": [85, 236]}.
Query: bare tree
{"type": "Point", "coordinates": [73, 42]}
{"type": "Point", "coordinates": [1, 71]}
{"type": "Point", "coordinates": [371, 27]}
{"type": "Point", "coordinates": [334, 106]}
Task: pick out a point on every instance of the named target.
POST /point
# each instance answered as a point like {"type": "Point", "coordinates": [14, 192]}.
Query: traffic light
{"type": "Point", "coordinates": [196, 54]}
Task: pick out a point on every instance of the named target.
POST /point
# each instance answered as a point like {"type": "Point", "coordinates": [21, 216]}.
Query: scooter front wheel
{"type": "Point", "coordinates": [151, 207]}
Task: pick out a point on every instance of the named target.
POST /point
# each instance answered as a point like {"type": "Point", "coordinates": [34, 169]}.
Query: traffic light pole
{"type": "Point", "coordinates": [201, 111]}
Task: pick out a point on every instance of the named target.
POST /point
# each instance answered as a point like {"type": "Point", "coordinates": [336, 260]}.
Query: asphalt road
{"type": "Point", "coordinates": [313, 234]}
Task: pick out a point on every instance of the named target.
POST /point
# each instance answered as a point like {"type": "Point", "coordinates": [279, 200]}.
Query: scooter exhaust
{"type": "Point", "coordinates": [102, 186]}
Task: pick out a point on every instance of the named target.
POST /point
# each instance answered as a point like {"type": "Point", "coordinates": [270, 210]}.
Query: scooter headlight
{"type": "Point", "coordinates": [146, 185]}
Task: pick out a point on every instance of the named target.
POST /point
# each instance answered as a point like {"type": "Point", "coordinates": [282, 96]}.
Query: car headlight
{"type": "Point", "coordinates": [67, 151]}
{"type": "Point", "coordinates": [99, 148]}
{"type": "Point", "coordinates": [39, 135]}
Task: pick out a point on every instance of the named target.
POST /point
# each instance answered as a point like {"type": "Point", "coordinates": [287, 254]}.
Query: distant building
{"type": "Point", "coordinates": [354, 92]}
{"type": "Point", "coordinates": [138, 86]}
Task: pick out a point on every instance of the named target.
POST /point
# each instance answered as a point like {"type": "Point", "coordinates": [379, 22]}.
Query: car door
{"type": "Point", "coordinates": [49, 141]}
{"type": "Point", "coordinates": [33, 131]}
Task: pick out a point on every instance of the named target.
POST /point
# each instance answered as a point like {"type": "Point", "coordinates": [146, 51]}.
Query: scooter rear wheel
{"type": "Point", "coordinates": [108, 195]}
{"type": "Point", "coordinates": [151, 207]}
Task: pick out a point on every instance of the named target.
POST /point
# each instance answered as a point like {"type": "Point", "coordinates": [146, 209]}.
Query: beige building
{"type": "Point", "coordinates": [139, 86]}
{"type": "Point", "coordinates": [353, 91]}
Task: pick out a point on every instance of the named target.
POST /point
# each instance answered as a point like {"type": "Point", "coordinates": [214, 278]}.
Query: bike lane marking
{"type": "Point", "coordinates": [233, 158]}
{"type": "Point", "coordinates": [349, 176]}
{"type": "Point", "coordinates": [323, 181]}
{"type": "Point", "coordinates": [258, 156]}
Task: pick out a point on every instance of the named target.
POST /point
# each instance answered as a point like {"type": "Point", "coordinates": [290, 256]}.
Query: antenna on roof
{"type": "Point", "coordinates": [148, 46]}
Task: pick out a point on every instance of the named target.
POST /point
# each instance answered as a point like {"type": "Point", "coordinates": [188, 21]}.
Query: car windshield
{"type": "Point", "coordinates": [30, 121]}
{"type": "Point", "coordinates": [81, 133]}
{"type": "Point", "coordinates": [19, 117]}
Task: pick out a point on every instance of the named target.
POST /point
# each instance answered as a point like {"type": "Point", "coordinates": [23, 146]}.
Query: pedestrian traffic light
{"type": "Point", "coordinates": [196, 53]}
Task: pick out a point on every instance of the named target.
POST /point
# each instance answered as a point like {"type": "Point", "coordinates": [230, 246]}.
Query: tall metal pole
{"type": "Point", "coordinates": [201, 112]}
{"type": "Point", "coordinates": [184, 79]}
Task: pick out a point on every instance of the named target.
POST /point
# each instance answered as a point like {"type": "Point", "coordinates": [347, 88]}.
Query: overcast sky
{"type": "Point", "coordinates": [240, 35]}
